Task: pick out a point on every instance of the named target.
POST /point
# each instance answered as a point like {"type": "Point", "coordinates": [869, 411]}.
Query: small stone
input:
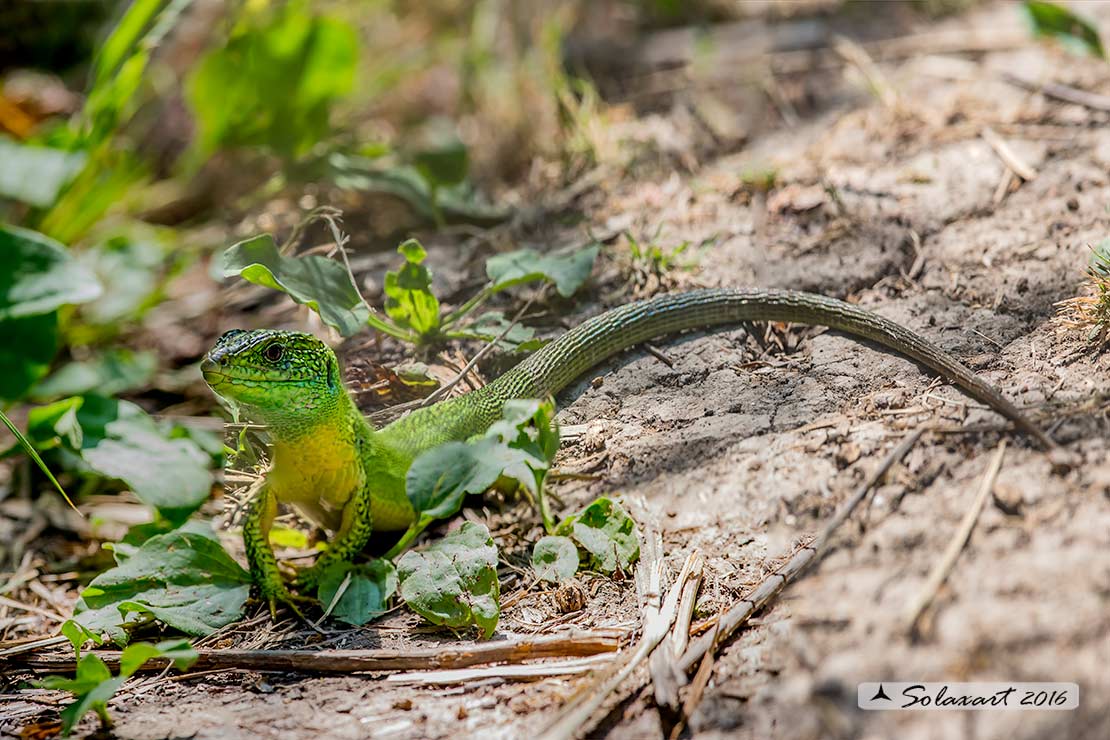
{"type": "Point", "coordinates": [403, 704]}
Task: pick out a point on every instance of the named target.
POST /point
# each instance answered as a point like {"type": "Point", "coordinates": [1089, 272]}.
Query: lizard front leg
{"type": "Point", "coordinates": [354, 532]}
{"type": "Point", "coordinates": [260, 555]}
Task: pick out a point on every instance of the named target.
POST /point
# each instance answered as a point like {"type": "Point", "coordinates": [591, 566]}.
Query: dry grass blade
{"type": "Point", "coordinates": [666, 677]}
{"type": "Point", "coordinates": [944, 566]}
{"type": "Point", "coordinates": [1009, 157]}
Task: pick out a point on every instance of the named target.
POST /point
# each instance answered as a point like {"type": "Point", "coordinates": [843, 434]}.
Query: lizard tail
{"type": "Point", "coordinates": [557, 364]}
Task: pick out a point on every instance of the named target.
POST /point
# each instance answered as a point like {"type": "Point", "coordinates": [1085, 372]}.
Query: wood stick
{"type": "Point", "coordinates": [944, 566]}
{"type": "Point", "coordinates": [529, 671]}
{"type": "Point", "coordinates": [742, 610]}
{"type": "Point", "coordinates": [573, 644]}
{"type": "Point", "coordinates": [1055, 90]}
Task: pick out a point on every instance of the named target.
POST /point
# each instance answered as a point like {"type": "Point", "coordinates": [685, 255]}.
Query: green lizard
{"type": "Point", "coordinates": [330, 464]}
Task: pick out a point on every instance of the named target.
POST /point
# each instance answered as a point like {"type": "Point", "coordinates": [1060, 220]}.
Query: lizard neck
{"type": "Point", "coordinates": [317, 466]}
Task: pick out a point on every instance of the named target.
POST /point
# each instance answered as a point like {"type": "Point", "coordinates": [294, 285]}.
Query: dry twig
{"type": "Point", "coordinates": [808, 554]}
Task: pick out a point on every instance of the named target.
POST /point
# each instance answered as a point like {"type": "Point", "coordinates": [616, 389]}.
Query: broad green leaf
{"type": "Point", "coordinates": [91, 671]}
{"type": "Point", "coordinates": [117, 439]}
{"type": "Point", "coordinates": [130, 267]}
{"type": "Point", "coordinates": [37, 275]}
{"type": "Point", "coordinates": [567, 271]}
{"type": "Point", "coordinates": [409, 300]}
{"type": "Point", "coordinates": [110, 373]}
{"type": "Point", "coordinates": [367, 595]}
{"type": "Point", "coordinates": [322, 284]}
{"type": "Point", "coordinates": [27, 346]}
{"type": "Point", "coordinates": [183, 579]}
{"type": "Point", "coordinates": [457, 204]}
{"type": "Point", "coordinates": [606, 532]}
{"type": "Point", "coordinates": [439, 479]}
{"type": "Point", "coordinates": [310, 59]}
{"type": "Point", "coordinates": [453, 582]}
{"type": "Point", "coordinates": [491, 324]}
{"type": "Point", "coordinates": [1074, 31]}
{"type": "Point", "coordinates": [555, 559]}
{"type": "Point", "coordinates": [528, 429]}
{"type": "Point", "coordinates": [520, 446]}
{"type": "Point", "coordinates": [36, 174]}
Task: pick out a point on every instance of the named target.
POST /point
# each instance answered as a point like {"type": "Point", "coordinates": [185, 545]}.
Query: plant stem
{"type": "Point", "coordinates": [478, 299]}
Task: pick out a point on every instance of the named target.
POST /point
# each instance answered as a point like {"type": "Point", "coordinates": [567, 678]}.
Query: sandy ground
{"type": "Point", "coordinates": [740, 448]}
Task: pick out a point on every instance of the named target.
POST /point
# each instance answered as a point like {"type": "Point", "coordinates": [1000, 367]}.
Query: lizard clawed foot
{"type": "Point", "coordinates": [307, 579]}
{"type": "Point", "coordinates": [279, 594]}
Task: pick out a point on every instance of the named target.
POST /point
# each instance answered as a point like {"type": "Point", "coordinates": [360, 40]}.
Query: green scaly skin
{"type": "Point", "coordinates": [329, 463]}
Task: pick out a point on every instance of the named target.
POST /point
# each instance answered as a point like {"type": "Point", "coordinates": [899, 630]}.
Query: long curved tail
{"type": "Point", "coordinates": [557, 364]}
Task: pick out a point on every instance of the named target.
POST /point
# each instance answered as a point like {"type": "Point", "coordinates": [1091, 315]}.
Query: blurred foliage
{"type": "Point", "coordinates": [1072, 30]}
{"type": "Point", "coordinates": [273, 82]}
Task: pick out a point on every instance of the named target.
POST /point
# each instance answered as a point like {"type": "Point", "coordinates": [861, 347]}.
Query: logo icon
{"type": "Point", "coordinates": [880, 694]}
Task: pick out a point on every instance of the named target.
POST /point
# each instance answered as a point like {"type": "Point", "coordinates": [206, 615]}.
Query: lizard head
{"type": "Point", "coordinates": [287, 380]}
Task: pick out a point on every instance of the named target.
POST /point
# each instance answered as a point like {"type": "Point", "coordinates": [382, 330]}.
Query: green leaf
{"type": "Point", "coordinates": [367, 595]}
{"type": "Point", "coordinates": [528, 429]}
{"type": "Point", "coordinates": [567, 271]}
{"type": "Point", "coordinates": [78, 635]}
{"type": "Point", "coordinates": [439, 479]}
{"type": "Point", "coordinates": [322, 284]}
{"type": "Point", "coordinates": [457, 203]}
{"type": "Point", "coordinates": [310, 59]}
{"type": "Point", "coordinates": [519, 446]}
{"type": "Point", "coordinates": [134, 656]}
{"type": "Point", "coordinates": [182, 578]}
{"type": "Point", "coordinates": [37, 275]}
{"type": "Point", "coordinates": [29, 344]}
{"type": "Point", "coordinates": [117, 439]}
{"type": "Point", "coordinates": [606, 532]}
{"type": "Point", "coordinates": [1074, 31]}
{"type": "Point", "coordinates": [555, 559]}
{"type": "Point", "coordinates": [93, 684]}
{"type": "Point", "coordinates": [409, 299]}
{"type": "Point", "coordinates": [444, 162]}
{"type": "Point", "coordinates": [35, 174]}
{"type": "Point", "coordinates": [110, 373]}
{"type": "Point", "coordinates": [489, 326]}
{"type": "Point", "coordinates": [130, 267]}
{"type": "Point", "coordinates": [453, 582]}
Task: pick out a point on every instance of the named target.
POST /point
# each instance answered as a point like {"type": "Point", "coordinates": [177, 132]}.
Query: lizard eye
{"type": "Point", "coordinates": [274, 352]}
